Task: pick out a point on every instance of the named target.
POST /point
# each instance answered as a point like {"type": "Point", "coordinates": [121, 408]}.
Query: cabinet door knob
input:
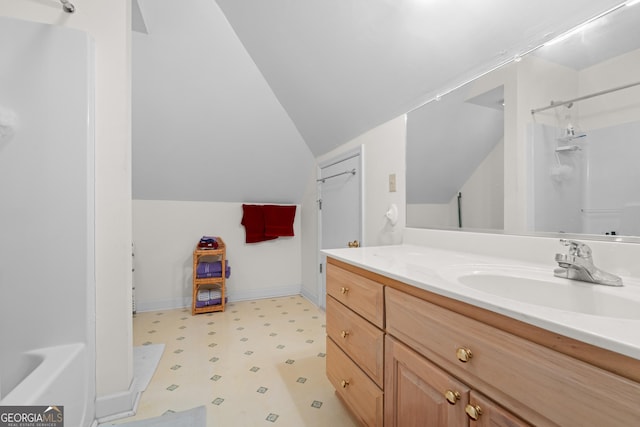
{"type": "Point", "coordinates": [464, 354]}
{"type": "Point", "coordinates": [344, 334]}
{"type": "Point", "coordinates": [344, 290]}
{"type": "Point", "coordinates": [344, 383]}
{"type": "Point", "coordinates": [452, 396]}
{"type": "Point", "coordinates": [473, 412]}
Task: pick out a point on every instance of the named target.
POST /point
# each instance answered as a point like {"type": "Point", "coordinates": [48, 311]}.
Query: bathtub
{"type": "Point", "coordinates": [50, 376]}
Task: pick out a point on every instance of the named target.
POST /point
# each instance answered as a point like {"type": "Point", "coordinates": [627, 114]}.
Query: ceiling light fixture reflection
{"type": "Point", "coordinates": [585, 25]}
{"type": "Point", "coordinates": [518, 57]}
{"type": "Point", "coordinates": [570, 33]}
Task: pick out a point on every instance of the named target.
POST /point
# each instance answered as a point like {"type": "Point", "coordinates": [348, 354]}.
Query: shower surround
{"type": "Point", "coordinates": [589, 184]}
{"type": "Point", "coordinates": [47, 285]}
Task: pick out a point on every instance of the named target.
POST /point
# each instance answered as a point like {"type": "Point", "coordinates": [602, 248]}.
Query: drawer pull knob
{"type": "Point", "coordinates": [344, 334]}
{"type": "Point", "coordinates": [344, 290]}
{"type": "Point", "coordinates": [473, 412]}
{"type": "Point", "coordinates": [464, 354]}
{"type": "Point", "coordinates": [452, 396]}
{"type": "Point", "coordinates": [344, 383]}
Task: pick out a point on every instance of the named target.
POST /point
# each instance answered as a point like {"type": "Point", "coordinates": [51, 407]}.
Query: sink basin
{"type": "Point", "coordinates": [540, 287]}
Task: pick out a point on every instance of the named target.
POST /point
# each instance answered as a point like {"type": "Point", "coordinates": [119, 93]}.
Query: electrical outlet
{"type": "Point", "coordinates": [392, 183]}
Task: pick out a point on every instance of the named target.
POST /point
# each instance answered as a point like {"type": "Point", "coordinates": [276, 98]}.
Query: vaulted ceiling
{"type": "Point", "coordinates": [233, 99]}
{"type": "Point", "coordinates": [342, 67]}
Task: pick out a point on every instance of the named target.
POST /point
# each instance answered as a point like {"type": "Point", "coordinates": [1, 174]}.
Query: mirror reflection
{"type": "Point", "coordinates": [546, 144]}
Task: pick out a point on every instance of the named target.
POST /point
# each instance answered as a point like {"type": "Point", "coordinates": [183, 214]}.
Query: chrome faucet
{"type": "Point", "coordinates": [578, 265]}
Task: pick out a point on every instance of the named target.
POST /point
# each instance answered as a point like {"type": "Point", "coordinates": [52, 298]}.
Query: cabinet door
{"type": "Point", "coordinates": [484, 413]}
{"type": "Point", "coordinates": [418, 393]}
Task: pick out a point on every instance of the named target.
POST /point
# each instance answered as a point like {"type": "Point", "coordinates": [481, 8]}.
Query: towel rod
{"type": "Point", "coordinates": [593, 95]}
{"type": "Point", "coordinates": [322, 180]}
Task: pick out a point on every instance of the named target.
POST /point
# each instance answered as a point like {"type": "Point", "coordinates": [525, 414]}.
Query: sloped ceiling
{"type": "Point", "coordinates": [606, 38]}
{"type": "Point", "coordinates": [342, 67]}
{"type": "Point", "coordinates": [205, 124]}
{"type": "Point", "coordinates": [233, 99]}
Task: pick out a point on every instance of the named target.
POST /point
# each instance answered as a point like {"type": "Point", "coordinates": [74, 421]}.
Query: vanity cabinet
{"type": "Point", "coordinates": [362, 295]}
{"type": "Point", "coordinates": [448, 363]}
{"type": "Point", "coordinates": [418, 393]}
{"type": "Point", "coordinates": [536, 383]}
{"type": "Point", "coordinates": [355, 343]}
{"type": "Point", "coordinates": [484, 413]}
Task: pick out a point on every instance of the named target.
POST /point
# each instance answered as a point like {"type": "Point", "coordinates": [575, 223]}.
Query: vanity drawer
{"type": "Point", "coordinates": [543, 386]}
{"type": "Point", "coordinates": [359, 393]}
{"type": "Point", "coordinates": [360, 294]}
{"type": "Point", "coordinates": [359, 339]}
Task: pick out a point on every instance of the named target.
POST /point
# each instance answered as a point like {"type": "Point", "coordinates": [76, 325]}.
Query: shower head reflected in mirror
{"type": "Point", "coordinates": [67, 7]}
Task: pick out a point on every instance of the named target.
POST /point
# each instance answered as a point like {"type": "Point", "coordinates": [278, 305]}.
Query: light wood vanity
{"type": "Point", "coordinates": [402, 356]}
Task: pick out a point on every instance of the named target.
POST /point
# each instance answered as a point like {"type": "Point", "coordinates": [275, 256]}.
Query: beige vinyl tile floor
{"type": "Point", "coordinates": [258, 363]}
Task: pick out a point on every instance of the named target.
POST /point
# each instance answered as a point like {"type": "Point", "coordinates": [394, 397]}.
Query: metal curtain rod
{"type": "Point", "coordinates": [322, 180]}
{"type": "Point", "coordinates": [603, 92]}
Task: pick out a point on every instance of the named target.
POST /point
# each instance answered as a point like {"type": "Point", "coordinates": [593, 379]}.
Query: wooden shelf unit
{"type": "Point", "coordinates": [219, 254]}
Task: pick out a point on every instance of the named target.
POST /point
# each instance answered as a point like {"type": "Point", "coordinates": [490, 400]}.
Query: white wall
{"type": "Point", "coordinates": [614, 108]}
{"type": "Point", "coordinates": [166, 232]}
{"type": "Point", "coordinates": [482, 199]}
{"type": "Point", "coordinates": [482, 203]}
{"type": "Point", "coordinates": [430, 215]}
{"type": "Point", "coordinates": [206, 124]}
{"type": "Point", "coordinates": [384, 154]}
{"type": "Point", "coordinates": [108, 23]}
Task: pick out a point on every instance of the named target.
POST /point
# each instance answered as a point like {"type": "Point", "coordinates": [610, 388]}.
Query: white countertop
{"type": "Point", "coordinates": [426, 268]}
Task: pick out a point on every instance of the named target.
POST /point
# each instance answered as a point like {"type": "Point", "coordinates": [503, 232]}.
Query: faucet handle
{"type": "Point", "coordinates": [577, 248]}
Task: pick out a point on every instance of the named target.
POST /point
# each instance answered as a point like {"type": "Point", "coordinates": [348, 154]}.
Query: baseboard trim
{"type": "Point", "coordinates": [250, 294]}
{"type": "Point", "coordinates": [312, 297]}
{"type": "Point", "coordinates": [162, 304]}
{"type": "Point", "coordinates": [118, 405]}
{"type": "Point", "coordinates": [234, 295]}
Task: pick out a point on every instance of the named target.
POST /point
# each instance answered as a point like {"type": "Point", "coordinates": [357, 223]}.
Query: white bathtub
{"type": "Point", "coordinates": [50, 376]}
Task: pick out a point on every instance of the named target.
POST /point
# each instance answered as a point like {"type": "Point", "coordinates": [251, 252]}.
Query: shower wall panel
{"type": "Point", "coordinates": [613, 179]}
{"type": "Point", "coordinates": [47, 286]}
{"type": "Point", "coordinates": [557, 182]}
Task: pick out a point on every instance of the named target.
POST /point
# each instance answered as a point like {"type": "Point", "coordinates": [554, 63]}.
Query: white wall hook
{"type": "Point", "coordinates": [392, 214]}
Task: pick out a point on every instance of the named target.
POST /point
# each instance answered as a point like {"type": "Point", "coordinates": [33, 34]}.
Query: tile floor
{"type": "Point", "coordinates": [258, 363]}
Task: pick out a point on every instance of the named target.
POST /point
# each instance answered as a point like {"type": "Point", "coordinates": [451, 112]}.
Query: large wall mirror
{"type": "Point", "coordinates": [549, 143]}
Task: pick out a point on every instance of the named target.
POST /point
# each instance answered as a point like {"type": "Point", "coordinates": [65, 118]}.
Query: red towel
{"type": "Point", "coordinates": [254, 225]}
{"type": "Point", "coordinates": [278, 220]}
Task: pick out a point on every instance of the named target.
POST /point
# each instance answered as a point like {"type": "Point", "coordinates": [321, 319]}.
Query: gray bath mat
{"type": "Point", "coordinates": [196, 417]}
{"type": "Point", "coordinates": [145, 362]}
